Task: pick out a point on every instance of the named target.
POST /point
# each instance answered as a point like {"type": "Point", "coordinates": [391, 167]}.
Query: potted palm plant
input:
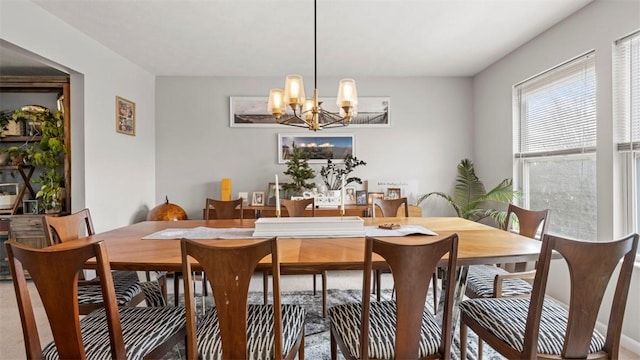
{"type": "Point", "coordinates": [470, 200]}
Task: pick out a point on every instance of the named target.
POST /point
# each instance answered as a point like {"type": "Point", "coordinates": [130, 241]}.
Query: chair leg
{"type": "Point", "coordinates": [480, 348]}
{"type": "Point", "coordinates": [434, 280]}
{"type": "Point", "coordinates": [314, 284]}
{"type": "Point", "coordinates": [324, 293]}
{"type": "Point", "coordinates": [463, 340]}
{"type": "Point", "coordinates": [176, 288]}
{"type": "Point", "coordinates": [378, 284]}
{"type": "Point", "coordinates": [265, 286]}
{"type": "Point", "coordinates": [205, 288]}
{"type": "Point", "coordinates": [334, 348]}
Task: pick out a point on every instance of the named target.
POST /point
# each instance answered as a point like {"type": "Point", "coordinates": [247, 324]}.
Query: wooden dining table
{"type": "Point", "coordinates": [478, 244]}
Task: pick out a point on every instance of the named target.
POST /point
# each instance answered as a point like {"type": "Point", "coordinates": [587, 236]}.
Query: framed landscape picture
{"type": "Point", "coordinates": [319, 147]}
{"type": "Point", "coordinates": [251, 111]}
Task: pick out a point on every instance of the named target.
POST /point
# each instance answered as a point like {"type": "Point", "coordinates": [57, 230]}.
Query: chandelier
{"type": "Point", "coordinates": [308, 113]}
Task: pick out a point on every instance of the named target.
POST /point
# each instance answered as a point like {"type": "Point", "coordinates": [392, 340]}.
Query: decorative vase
{"type": "Point", "coordinates": [334, 193]}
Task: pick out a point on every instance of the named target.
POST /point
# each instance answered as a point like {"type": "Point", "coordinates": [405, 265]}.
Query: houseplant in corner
{"type": "Point", "coordinates": [333, 173]}
{"type": "Point", "coordinates": [49, 154]}
{"type": "Point", "coordinates": [470, 197]}
{"type": "Point", "coordinates": [299, 171]}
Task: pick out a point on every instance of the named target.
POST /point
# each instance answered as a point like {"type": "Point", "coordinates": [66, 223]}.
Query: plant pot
{"type": "Point", "coordinates": [334, 193]}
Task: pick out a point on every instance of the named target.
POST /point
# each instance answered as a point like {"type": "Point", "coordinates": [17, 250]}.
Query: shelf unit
{"type": "Point", "coordinates": [60, 86]}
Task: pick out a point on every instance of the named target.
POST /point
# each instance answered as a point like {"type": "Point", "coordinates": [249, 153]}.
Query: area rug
{"type": "Point", "coordinates": [317, 340]}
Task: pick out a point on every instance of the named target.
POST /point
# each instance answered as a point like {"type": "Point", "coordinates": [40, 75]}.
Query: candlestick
{"type": "Point", "coordinates": [277, 198]}
{"type": "Point", "coordinates": [342, 198]}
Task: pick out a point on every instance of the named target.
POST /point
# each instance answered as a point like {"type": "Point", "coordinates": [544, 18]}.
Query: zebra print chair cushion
{"type": "Point", "coordinates": [143, 329]}
{"type": "Point", "coordinates": [153, 293]}
{"type": "Point", "coordinates": [480, 280]}
{"type": "Point", "coordinates": [346, 320]}
{"type": "Point", "coordinates": [126, 283]}
{"type": "Point", "coordinates": [259, 329]}
{"type": "Point", "coordinates": [506, 318]}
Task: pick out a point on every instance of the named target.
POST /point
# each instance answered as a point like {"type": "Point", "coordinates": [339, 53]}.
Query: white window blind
{"type": "Point", "coordinates": [627, 92]}
{"type": "Point", "coordinates": [558, 110]}
{"type": "Point", "coordinates": [555, 118]}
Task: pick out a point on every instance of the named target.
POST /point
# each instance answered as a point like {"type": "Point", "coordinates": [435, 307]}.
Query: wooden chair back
{"type": "Point", "coordinates": [229, 270]}
{"type": "Point", "coordinates": [591, 265]}
{"type": "Point", "coordinates": [529, 221]}
{"type": "Point", "coordinates": [224, 209]}
{"type": "Point", "coordinates": [58, 229]}
{"type": "Point", "coordinates": [409, 264]}
{"type": "Point", "coordinates": [296, 208]}
{"type": "Point", "coordinates": [55, 275]}
{"type": "Point", "coordinates": [389, 207]}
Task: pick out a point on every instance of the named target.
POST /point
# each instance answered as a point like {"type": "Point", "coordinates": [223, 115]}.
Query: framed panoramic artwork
{"type": "Point", "coordinates": [319, 147]}
{"type": "Point", "coordinates": [251, 111]}
{"type": "Point", "coordinates": [374, 195]}
{"type": "Point", "coordinates": [258, 198]}
{"type": "Point", "coordinates": [125, 116]}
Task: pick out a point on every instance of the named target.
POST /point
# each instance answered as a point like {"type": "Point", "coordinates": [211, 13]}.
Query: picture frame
{"type": "Point", "coordinates": [258, 198]}
{"type": "Point", "coordinates": [349, 195]}
{"type": "Point", "coordinates": [319, 147]}
{"type": "Point", "coordinates": [244, 196]}
{"type": "Point", "coordinates": [125, 116]}
{"type": "Point", "coordinates": [252, 112]}
{"type": "Point", "coordinates": [361, 197]}
{"type": "Point", "coordinates": [271, 193]}
{"type": "Point", "coordinates": [374, 195]}
{"type": "Point", "coordinates": [393, 193]}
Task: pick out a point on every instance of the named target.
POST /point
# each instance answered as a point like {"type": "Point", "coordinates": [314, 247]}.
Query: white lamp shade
{"type": "Point", "coordinates": [347, 93]}
{"type": "Point", "coordinates": [294, 90]}
{"type": "Point", "coordinates": [276, 101]}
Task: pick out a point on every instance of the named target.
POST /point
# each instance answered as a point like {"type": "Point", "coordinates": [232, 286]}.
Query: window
{"type": "Point", "coordinates": [555, 114]}
{"type": "Point", "coordinates": [627, 117]}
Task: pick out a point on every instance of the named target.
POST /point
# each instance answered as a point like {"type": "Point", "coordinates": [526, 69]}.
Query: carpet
{"type": "Point", "coordinates": [317, 338]}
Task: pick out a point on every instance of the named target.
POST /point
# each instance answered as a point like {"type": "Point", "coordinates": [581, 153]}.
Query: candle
{"type": "Point", "coordinates": [277, 196]}
{"type": "Point", "coordinates": [342, 198]}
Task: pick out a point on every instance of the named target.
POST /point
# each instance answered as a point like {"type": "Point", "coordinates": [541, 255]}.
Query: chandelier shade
{"type": "Point", "coordinates": [291, 107]}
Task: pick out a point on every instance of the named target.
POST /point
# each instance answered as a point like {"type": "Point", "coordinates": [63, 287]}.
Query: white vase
{"type": "Point", "coordinates": [334, 193]}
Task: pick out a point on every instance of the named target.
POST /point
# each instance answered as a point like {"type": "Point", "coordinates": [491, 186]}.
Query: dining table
{"type": "Point", "coordinates": [478, 243]}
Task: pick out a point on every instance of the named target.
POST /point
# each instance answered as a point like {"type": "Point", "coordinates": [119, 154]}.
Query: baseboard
{"type": "Point", "coordinates": [625, 341]}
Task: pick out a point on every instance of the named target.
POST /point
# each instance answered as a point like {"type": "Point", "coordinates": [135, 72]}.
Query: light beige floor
{"type": "Point", "coordinates": [12, 345]}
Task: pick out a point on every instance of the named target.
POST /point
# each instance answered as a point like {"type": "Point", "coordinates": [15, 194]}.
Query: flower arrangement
{"type": "Point", "coordinates": [332, 174]}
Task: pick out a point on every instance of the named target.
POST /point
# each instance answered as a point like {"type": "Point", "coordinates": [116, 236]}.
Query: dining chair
{"type": "Point", "coordinates": [402, 328]}
{"type": "Point", "coordinates": [539, 326]}
{"type": "Point", "coordinates": [234, 329]}
{"type": "Point", "coordinates": [224, 209]}
{"type": "Point", "coordinates": [391, 208]}
{"type": "Point", "coordinates": [109, 332]}
{"type": "Point", "coordinates": [129, 290]}
{"type": "Point", "coordinates": [297, 208]}
{"type": "Point", "coordinates": [488, 281]}
{"type": "Point", "coordinates": [491, 281]}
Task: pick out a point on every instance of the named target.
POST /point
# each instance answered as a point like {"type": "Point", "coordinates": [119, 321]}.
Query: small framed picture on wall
{"type": "Point", "coordinates": [125, 116]}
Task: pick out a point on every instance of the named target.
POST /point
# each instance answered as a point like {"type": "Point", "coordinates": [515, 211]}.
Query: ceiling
{"type": "Point", "coordinates": [275, 37]}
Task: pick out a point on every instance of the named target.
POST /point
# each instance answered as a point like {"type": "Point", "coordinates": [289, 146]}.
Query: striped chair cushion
{"type": "Point", "coordinates": [506, 319]}
{"type": "Point", "coordinates": [260, 334]}
{"type": "Point", "coordinates": [143, 329]}
{"type": "Point", "coordinates": [127, 287]}
{"type": "Point", "coordinates": [153, 293]}
{"type": "Point", "coordinates": [480, 280]}
{"type": "Point", "coordinates": [346, 320]}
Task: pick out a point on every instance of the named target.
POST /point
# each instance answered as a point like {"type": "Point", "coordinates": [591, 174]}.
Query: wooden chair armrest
{"type": "Point", "coordinates": [499, 279]}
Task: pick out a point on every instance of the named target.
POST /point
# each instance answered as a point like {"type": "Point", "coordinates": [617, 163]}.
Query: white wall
{"type": "Point", "coordinates": [115, 174]}
{"type": "Point", "coordinates": [195, 147]}
{"type": "Point", "coordinates": [596, 26]}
